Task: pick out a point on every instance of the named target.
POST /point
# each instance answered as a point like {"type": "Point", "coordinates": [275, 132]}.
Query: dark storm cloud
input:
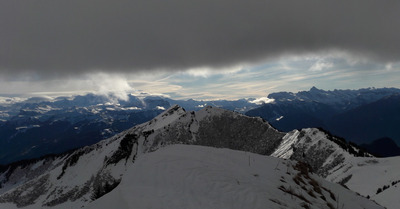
{"type": "Point", "coordinates": [80, 35]}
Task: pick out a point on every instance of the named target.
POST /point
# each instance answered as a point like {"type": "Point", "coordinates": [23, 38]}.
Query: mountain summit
{"type": "Point", "coordinates": [92, 171]}
{"type": "Point", "coordinates": [77, 178]}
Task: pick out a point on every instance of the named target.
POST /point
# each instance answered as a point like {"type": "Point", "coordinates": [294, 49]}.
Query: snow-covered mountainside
{"type": "Point", "coordinates": [322, 151]}
{"type": "Point", "coordinates": [376, 178]}
{"type": "Point", "coordinates": [80, 177]}
{"type": "Point", "coordinates": [187, 176]}
{"type": "Point", "coordinates": [39, 126]}
{"type": "Point", "coordinates": [342, 163]}
{"type": "Point", "coordinates": [90, 172]}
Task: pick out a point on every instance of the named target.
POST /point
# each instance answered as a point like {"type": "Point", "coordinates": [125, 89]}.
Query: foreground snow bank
{"type": "Point", "coordinates": [183, 176]}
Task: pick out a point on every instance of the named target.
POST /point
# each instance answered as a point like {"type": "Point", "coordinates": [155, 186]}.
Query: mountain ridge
{"type": "Point", "coordinates": [101, 166]}
{"type": "Point", "coordinates": [339, 111]}
{"type": "Point", "coordinates": [39, 126]}
{"type": "Point", "coordinates": [111, 156]}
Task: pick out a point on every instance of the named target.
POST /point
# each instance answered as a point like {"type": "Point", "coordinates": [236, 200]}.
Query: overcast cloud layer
{"type": "Point", "coordinates": [80, 36]}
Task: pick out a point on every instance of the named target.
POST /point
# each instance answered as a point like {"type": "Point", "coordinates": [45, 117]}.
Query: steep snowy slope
{"type": "Point", "coordinates": [322, 151]}
{"type": "Point", "coordinates": [183, 176]}
{"type": "Point", "coordinates": [389, 197]}
{"type": "Point", "coordinates": [377, 178]}
{"type": "Point", "coordinates": [30, 128]}
{"type": "Point", "coordinates": [90, 172]}
{"type": "Point", "coordinates": [336, 161]}
{"type": "Point", "coordinates": [74, 180]}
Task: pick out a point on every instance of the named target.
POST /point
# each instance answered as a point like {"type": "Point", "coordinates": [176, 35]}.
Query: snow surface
{"type": "Point", "coordinates": [365, 175]}
{"type": "Point", "coordinates": [167, 117]}
{"type": "Point", "coordinates": [370, 174]}
{"type": "Point", "coordinates": [285, 149]}
{"type": "Point", "coordinates": [187, 176]}
{"type": "Point", "coordinates": [390, 197]}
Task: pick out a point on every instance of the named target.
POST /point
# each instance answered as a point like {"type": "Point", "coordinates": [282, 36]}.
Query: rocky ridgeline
{"type": "Point", "coordinates": [90, 172]}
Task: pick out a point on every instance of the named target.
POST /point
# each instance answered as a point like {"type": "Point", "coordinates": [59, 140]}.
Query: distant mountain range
{"type": "Point", "coordinates": [143, 167]}
{"type": "Point", "coordinates": [360, 116]}
{"type": "Point", "coordinates": [39, 126]}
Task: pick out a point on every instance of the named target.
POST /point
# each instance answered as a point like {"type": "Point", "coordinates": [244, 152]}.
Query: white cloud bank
{"type": "Point", "coordinates": [262, 100]}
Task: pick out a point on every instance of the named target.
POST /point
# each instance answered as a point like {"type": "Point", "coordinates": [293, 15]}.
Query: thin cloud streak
{"type": "Point", "coordinates": [251, 81]}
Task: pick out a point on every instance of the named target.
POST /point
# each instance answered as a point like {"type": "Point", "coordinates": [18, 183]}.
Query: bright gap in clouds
{"type": "Point", "coordinates": [114, 86]}
{"type": "Point", "coordinates": [328, 71]}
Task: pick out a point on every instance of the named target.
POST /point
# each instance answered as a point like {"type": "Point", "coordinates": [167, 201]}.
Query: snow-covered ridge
{"type": "Point", "coordinates": [75, 116]}
{"type": "Point", "coordinates": [80, 177]}
{"type": "Point", "coordinates": [342, 163]}
{"type": "Point", "coordinates": [322, 151]}
{"type": "Point", "coordinates": [88, 173]}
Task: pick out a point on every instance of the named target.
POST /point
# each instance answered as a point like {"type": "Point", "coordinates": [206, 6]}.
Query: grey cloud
{"type": "Point", "coordinates": [77, 36]}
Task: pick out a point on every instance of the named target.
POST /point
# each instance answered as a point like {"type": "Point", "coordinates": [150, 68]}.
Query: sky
{"type": "Point", "coordinates": [196, 49]}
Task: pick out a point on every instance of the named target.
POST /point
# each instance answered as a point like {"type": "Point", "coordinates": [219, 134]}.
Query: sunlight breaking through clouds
{"type": "Point", "coordinates": [330, 70]}
{"type": "Point", "coordinates": [206, 72]}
